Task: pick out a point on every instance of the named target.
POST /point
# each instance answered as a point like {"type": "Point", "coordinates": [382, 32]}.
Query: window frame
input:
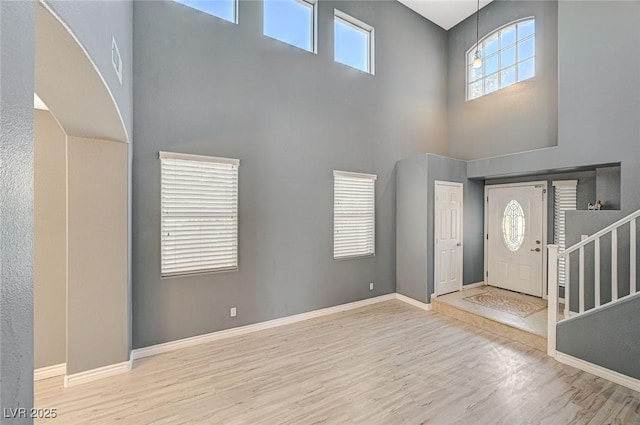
{"type": "Point", "coordinates": [372, 178]}
{"type": "Point", "coordinates": [200, 158]}
{"type": "Point", "coordinates": [470, 53]}
{"type": "Point", "coordinates": [236, 8]}
{"type": "Point", "coordinates": [313, 4]}
{"type": "Point", "coordinates": [361, 26]}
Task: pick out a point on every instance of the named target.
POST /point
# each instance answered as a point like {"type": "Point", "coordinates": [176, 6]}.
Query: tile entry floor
{"type": "Point", "coordinates": [535, 323]}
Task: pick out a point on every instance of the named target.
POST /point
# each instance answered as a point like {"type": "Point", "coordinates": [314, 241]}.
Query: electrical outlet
{"type": "Point", "coordinates": [371, 286]}
{"type": "Point", "coordinates": [233, 312]}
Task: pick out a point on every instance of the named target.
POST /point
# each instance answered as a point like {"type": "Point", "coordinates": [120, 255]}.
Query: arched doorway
{"type": "Point", "coordinates": [94, 243]}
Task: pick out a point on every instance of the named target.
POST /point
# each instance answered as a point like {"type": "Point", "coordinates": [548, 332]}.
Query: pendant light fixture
{"type": "Point", "coordinates": [477, 62]}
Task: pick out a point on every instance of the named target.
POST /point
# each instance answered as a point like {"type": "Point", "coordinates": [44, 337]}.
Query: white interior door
{"type": "Point", "coordinates": [516, 228]}
{"type": "Point", "coordinates": [448, 237]}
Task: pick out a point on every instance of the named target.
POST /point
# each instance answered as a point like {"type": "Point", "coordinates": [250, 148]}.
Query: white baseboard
{"type": "Point", "coordinates": [95, 374]}
{"type": "Point", "coordinates": [49, 371]}
{"type": "Point", "coordinates": [473, 285]}
{"type": "Point", "coordinates": [413, 302]}
{"type": "Point", "coordinates": [152, 350]}
{"type": "Point", "coordinates": [618, 378]}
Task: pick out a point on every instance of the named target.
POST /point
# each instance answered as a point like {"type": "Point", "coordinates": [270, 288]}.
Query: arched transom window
{"type": "Point", "coordinates": [508, 57]}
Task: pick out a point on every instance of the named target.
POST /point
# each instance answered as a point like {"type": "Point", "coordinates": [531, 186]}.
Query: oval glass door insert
{"type": "Point", "coordinates": [513, 225]}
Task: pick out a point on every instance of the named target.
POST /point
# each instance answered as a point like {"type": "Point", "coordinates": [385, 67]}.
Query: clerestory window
{"type": "Point", "coordinates": [508, 57]}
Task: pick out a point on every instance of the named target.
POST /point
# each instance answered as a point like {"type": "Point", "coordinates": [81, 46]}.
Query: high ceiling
{"type": "Point", "coordinates": [445, 13]}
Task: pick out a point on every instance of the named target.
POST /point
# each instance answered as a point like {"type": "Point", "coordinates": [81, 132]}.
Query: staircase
{"type": "Point", "coordinates": [592, 322]}
{"type": "Point", "coordinates": [580, 306]}
{"type": "Point", "coordinates": [598, 329]}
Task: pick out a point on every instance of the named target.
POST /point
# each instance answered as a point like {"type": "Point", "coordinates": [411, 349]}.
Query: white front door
{"type": "Point", "coordinates": [448, 237]}
{"type": "Point", "coordinates": [516, 228]}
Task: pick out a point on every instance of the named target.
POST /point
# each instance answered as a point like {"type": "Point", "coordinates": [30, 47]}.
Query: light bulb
{"type": "Point", "coordinates": [477, 62]}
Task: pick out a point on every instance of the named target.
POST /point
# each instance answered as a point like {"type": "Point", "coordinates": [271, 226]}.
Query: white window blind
{"type": "Point", "coordinates": [353, 214]}
{"type": "Point", "coordinates": [199, 214]}
{"type": "Point", "coordinates": [564, 200]}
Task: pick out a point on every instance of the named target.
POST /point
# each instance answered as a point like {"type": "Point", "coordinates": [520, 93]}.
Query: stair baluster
{"type": "Point", "coordinates": [555, 255]}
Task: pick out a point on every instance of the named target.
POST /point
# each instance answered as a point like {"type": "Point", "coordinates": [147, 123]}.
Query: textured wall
{"type": "Point", "coordinates": [518, 118]}
{"type": "Point", "coordinates": [17, 23]}
{"type": "Point", "coordinates": [50, 241]}
{"type": "Point", "coordinates": [291, 117]}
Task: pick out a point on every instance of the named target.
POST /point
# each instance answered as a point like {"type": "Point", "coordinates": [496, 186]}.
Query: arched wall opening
{"type": "Point", "coordinates": [81, 211]}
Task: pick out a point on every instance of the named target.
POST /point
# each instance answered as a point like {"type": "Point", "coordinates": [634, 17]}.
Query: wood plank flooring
{"type": "Point", "coordinates": [387, 363]}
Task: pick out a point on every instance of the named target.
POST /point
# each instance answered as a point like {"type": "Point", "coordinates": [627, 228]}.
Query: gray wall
{"type": "Point", "coordinates": [596, 126]}
{"type": "Point", "coordinates": [599, 125]}
{"type": "Point", "coordinates": [583, 223]}
{"type": "Point", "coordinates": [17, 24]}
{"type": "Point", "coordinates": [515, 119]}
{"type": "Point", "coordinates": [50, 241]}
{"type": "Point", "coordinates": [291, 117]}
{"type": "Point", "coordinates": [608, 187]}
{"type": "Point", "coordinates": [447, 169]}
{"type": "Point", "coordinates": [585, 190]}
{"type": "Point", "coordinates": [608, 337]}
{"type": "Point", "coordinates": [97, 322]}
{"type": "Point", "coordinates": [415, 194]}
{"type": "Point", "coordinates": [412, 210]}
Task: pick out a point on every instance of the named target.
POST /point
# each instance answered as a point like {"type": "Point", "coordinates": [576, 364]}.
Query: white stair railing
{"type": "Point", "coordinates": [555, 255]}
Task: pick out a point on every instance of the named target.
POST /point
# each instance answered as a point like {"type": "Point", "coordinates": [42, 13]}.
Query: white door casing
{"type": "Point", "coordinates": [515, 237]}
{"type": "Point", "coordinates": [448, 232]}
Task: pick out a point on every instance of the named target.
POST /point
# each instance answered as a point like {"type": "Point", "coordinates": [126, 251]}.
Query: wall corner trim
{"type": "Point", "coordinates": [99, 373]}
{"type": "Point", "coordinates": [610, 375]}
{"type": "Point", "coordinates": [411, 301]}
{"type": "Point", "coordinates": [49, 371]}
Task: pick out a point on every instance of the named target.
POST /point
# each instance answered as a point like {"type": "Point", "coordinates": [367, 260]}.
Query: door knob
{"type": "Point", "coordinates": [458, 244]}
{"type": "Point", "coordinates": [535, 249]}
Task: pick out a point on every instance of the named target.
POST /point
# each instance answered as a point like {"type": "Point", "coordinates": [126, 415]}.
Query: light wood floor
{"type": "Point", "coordinates": [388, 363]}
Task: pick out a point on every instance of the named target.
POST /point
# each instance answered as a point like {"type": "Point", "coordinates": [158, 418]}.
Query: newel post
{"type": "Point", "coordinates": [552, 309]}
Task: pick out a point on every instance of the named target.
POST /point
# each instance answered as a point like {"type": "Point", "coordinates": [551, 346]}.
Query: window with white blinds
{"type": "Point", "coordinates": [199, 214]}
{"type": "Point", "coordinates": [564, 200]}
{"type": "Point", "coordinates": [353, 214]}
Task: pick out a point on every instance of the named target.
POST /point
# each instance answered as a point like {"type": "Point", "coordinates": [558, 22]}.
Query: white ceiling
{"type": "Point", "coordinates": [446, 13]}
